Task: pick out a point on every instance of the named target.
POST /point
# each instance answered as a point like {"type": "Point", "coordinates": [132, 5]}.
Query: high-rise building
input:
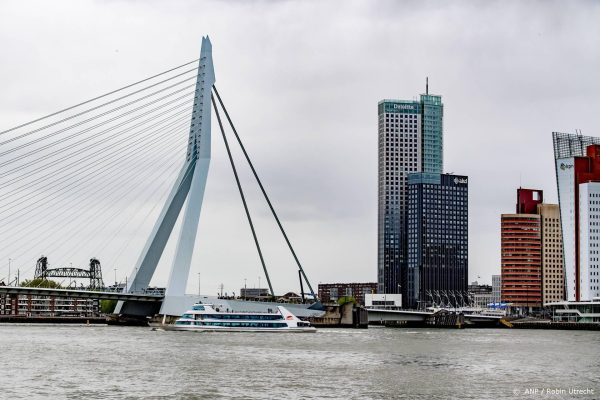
{"type": "Point", "coordinates": [399, 154]}
{"type": "Point", "coordinates": [437, 238]}
{"type": "Point", "coordinates": [521, 252]}
{"type": "Point", "coordinates": [410, 140]}
{"type": "Point", "coordinates": [552, 254]}
{"type": "Point", "coordinates": [589, 237]}
{"type": "Point", "coordinates": [578, 175]}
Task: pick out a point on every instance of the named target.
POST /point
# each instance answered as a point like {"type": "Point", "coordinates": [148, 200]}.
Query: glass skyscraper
{"type": "Point", "coordinates": [410, 140]}
{"type": "Point", "coordinates": [438, 239]}
{"type": "Point", "coordinates": [433, 140]}
{"type": "Point", "coordinates": [399, 154]}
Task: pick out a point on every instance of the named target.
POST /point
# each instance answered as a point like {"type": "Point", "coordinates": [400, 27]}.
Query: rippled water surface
{"type": "Point", "coordinates": [105, 362]}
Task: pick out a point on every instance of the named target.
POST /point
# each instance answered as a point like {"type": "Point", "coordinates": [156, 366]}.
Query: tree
{"type": "Point", "coordinates": [41, 283]}
{"type": "Point", "coordinates": [346, 299]}
{"type": "Point", "coordinates": [107, 306]}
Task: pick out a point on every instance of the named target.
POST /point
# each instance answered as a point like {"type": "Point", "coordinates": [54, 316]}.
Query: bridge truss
{"type": "Point", "coordinates": [94, 274]}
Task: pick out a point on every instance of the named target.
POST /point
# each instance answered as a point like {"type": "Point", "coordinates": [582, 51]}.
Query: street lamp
{"type": "Point", "coordinates": [115, 278]}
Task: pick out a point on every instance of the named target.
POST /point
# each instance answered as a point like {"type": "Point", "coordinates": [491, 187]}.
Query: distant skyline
{"type": "Point", "coordinates": [302, 81]}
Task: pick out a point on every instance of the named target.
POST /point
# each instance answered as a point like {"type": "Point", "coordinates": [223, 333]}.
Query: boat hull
{"type": "Point", "coordinates": [308, 329]}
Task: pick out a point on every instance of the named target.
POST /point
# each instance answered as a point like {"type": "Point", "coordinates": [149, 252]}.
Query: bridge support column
{"type": "Point", "coordinates": [190, 185]}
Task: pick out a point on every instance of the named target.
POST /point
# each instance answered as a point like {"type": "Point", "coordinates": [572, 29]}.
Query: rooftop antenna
{"type": "Point", "coordinates": [426, 85]}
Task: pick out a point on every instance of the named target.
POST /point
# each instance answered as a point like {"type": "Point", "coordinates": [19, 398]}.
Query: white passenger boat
{"type": "Point", "coordinates": [205, 317]}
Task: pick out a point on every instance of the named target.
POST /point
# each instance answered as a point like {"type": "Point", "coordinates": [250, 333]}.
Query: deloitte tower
{"type": "Point", "coordinates": [410, 142]}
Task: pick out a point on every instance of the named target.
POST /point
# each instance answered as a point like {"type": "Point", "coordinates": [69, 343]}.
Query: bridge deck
{"type": "Point", "coordinates": [77, 293]}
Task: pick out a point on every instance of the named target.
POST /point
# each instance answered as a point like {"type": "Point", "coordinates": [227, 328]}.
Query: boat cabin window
{"type": "Point", "coordinates": [190, 316]}
{"type": "Point", "coordinates": [247, 316]}
{"type": "Point", "coordinates": [198, 307]}
{"type": "Point", "coordinates": [248, 324]}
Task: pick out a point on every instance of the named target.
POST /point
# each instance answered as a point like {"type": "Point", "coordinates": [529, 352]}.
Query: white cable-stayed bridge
{"type": "Point", "coordinates": [81, 181]}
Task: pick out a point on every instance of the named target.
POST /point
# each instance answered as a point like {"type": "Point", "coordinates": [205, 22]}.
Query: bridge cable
{"type": "Point", "coordinates": [128, 189]}
{"type": "Point", "coordinates": [87, 140]}
{"type": "Point", "coordinates": [98, 97]}
{"type": "Point", "coordinates": [87, 158]}
{"type": "Point", "coordinates": [67, 207]}
{"type": "Point", "coordinates": [24, 167]}
{"type": "Point", "coordinates": [78, 181]}
{"type": "Point", "coordinates": [237, 180]}
{"type": "Point", "coordinates": [95, 155]}
{"type": "Point", "coordinates": [160, 201]}
{"type": "Point", "coordinates": [111, 179]}
{"type": "Point", "coordinates": [84, 141]}
{"type": "Point", "coordinates": [264, 192]}
{"type": "Point", "coordinates": [98, 152]}
{"type": "Point", "coordinates": [99, 212]}
{"type": "Point", "coordinates": [93, 117]}
{"type": "Point", "coordinates": [97, 125]}
{"type": "Point", "coordinates": [159, 181]}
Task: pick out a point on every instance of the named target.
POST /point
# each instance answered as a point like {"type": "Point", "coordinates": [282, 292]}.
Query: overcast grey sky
{"type": "Point", "coordinates": [302, 81]}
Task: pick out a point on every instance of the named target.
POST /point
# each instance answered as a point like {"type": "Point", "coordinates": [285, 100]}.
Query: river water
{"type": "Point", "coordinates": [106, 362]}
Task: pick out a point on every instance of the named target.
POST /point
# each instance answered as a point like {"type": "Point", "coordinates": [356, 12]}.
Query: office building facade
{"type": "Point", "coordinates": [332, 292]}
{"type": "Point", "coordinates": [410, 140]}
{"type": "Point", "coordinates": [47, 306]}
{"type": "Point", "coordinates": [437, 238]}
{"type": "Point", "coordinates": [553, 283]}
{"type": "Point", "coordinates": [589, 240]}
{"type": "Point", "coordinates": [480, 296]}
{"type": "Point", "coordinates": [532, 253]}
{"type": "Point", "coordinates": [521, 260]}
{"type": "Point", "coordinates": [521, 252]}
{"type": "Point", "coordinates": [577, 163]}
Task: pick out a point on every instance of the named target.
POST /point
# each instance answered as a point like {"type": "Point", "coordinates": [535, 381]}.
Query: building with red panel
{"type": "Point", "coordinates": [521, 253]}
{"type": "Point", "coordinates": [578, 178]}
{"type": "Point", "coordinates": [528, 200]}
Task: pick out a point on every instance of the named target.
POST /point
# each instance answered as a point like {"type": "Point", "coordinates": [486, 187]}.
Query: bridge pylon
{"type": "Point", "coordinates": [189, 185]}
